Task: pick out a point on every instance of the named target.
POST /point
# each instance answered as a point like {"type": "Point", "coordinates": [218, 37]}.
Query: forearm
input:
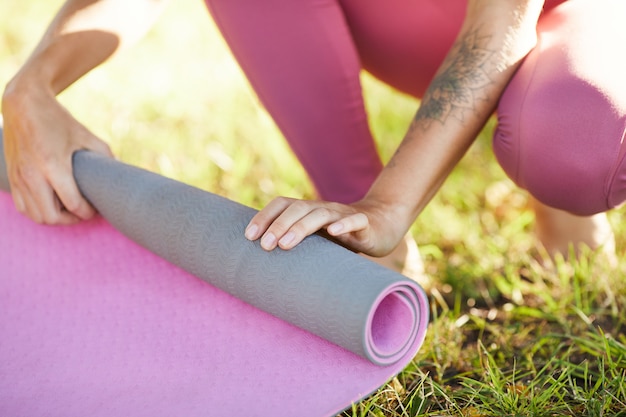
{"type": "Point", "coordinates": [84, 34]}
{"type": "Point", "coordinates": [492, 42]}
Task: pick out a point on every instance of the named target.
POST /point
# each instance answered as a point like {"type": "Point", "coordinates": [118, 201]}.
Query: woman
{"type": "Point", "coordinates": [560, 113]}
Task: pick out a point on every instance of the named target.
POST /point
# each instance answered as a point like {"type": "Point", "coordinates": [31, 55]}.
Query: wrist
{"type": "Point", "coordinates": [23, 94]}
{"type": "Point", "coordinates": [27, 82]}
{"type": "Point", "coordinates": [388, 216]}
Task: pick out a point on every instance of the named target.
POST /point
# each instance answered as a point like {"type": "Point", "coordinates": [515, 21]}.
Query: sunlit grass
{"type": "Point", "coordinates": [508, 336]}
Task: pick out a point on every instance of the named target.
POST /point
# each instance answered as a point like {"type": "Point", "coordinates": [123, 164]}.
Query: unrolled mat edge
{"type": "Point", "coordinates": [318, 286]}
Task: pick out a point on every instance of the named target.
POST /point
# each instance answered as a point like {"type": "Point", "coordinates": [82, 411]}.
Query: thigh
{"type": "Point", "coordinates": [403, 42]}
{"type": "Point", "coordinates": [562, 117]}
{"type": "Point", "coordinates": [300, 58]}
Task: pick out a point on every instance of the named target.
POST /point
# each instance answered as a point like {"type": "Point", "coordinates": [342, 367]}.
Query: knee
{"type": "Point", "coordinates": [562, 116]}
{"type": "Point", "coordinates": [563, 143]}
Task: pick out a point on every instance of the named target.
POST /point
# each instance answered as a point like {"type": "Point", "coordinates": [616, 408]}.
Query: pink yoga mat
{"type": "Point", "coordinates": [94, 324]}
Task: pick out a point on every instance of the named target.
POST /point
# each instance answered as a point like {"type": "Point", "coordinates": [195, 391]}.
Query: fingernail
{"type": "Point", "coordinates": [268, 241]}
{"type": "Point", "coordinates": [251, 231]}
{"type": "Point", "coordinates": [335, 228]}
{"type": "Point", "coordinates": [287, 239]}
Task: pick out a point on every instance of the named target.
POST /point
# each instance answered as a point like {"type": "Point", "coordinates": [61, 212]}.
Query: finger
{"type": "Point", "coordinates": [294, 225]}
{"type": "Point", "coordinates": [71, 199]}
{"type": "Point", "coordinates": [31, 208]}
{"type": "Point", "coordinates": [100, 146]}
{"type": "Point", "coordinates": [41, 202]}
{"type": "Point", "coordinates": [18, 200]}
{"type": "Point", "coordinates": [280, 226]}
{"type": "Point", "coordinates": [51, 210]}
{"type": "Point", "coordinates": [15, 185]}
{"type": "Point", "coordinates": [37, 200]}
{"type": "Point", "coordinates": [65, 217]}
{"type": "Point", "coordinates": [264, 218]}
{"type": "Point", "coordinates": [24, 202]}
{"type": "Point", "coordinates": [350, 224]}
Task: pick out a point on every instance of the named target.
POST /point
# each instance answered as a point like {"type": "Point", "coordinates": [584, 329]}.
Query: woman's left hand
{"type": "Point", "coordinates": [362, 226]}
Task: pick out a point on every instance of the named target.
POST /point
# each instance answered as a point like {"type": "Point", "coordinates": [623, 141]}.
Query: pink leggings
{"type": "Point", "coordinates": [561, 119]}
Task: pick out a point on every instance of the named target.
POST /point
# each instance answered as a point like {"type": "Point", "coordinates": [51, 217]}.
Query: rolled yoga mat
{"type": "Point", "coordinates": [97, 323]}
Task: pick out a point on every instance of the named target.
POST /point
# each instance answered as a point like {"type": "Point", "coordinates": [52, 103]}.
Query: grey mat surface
{"type": "Point", "coordinates": [318, 286]}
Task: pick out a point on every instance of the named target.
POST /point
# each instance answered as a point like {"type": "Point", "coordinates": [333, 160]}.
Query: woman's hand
{"type": "Point", "coordinates": [40, 137]}
{"type": "Point", "coordinates": [363, 226]}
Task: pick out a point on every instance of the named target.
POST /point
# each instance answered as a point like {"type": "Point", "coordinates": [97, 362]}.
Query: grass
{"type": "Point", "coordinates": [508, 337]}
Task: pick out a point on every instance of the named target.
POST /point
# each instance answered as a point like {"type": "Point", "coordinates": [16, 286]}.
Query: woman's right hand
{"type": "Point", "coordinates": [40, 136]}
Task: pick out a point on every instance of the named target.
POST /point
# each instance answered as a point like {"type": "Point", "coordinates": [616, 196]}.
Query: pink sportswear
{"type": "Point", "coordinates": [561, 118]}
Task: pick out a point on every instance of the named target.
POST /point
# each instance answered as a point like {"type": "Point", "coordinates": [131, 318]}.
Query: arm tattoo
{"type": "Point", "coordinates": [460, 82]}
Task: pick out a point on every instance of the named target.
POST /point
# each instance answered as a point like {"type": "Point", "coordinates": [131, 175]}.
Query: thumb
{"type": "Point", "coordinates": [93, 143]}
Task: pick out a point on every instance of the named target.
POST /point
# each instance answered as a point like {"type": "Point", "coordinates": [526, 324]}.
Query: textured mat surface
{"type": "Point", "coordinates": [97, 323]}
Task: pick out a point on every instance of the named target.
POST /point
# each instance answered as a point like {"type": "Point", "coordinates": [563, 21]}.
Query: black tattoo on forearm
{"type": "Point", "coordinates": [460, 82]}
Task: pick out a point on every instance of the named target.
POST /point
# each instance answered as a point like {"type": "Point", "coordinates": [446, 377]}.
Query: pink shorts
{"type": "Point", "coordinates": [561, 119]}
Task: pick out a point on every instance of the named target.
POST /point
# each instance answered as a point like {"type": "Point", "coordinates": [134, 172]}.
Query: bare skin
{"type": "Point", "coordinates": [558, 230]}
{"type": "Point", "coordinates": [40, 135]}
{"type": "Point", "coordinates": [492, 42]}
